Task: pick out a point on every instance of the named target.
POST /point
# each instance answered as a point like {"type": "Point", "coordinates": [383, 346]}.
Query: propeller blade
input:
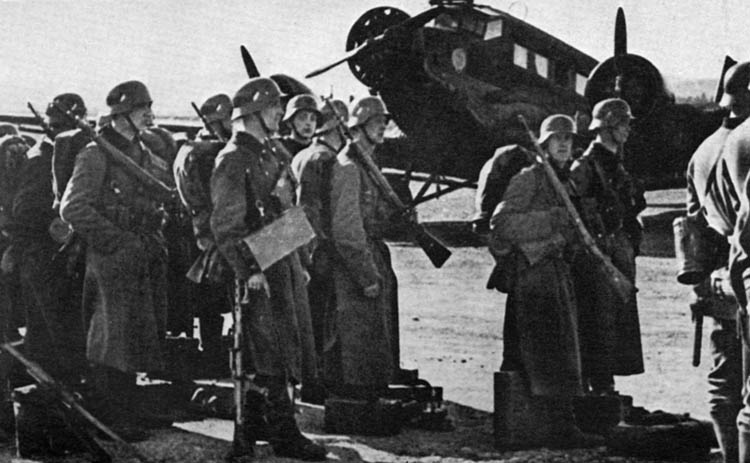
{"type": "Point", "coordinates": [728, 63]}
{"type": "Point", "coordinates": [250, 67]}
{"type": "Point", "coordinates": [349, 55]}
{"type": "Point", "coordinates": [412, 23]}
{"type": "Point", "coordinates": [621, 33]}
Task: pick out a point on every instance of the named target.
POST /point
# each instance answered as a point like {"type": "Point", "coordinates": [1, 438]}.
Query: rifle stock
{"type": "Point", "coordinates": [40, 120]}
{"type": "Point", "coordinates": [163, 191]}
{"type": "Point", "coordinates": [433, 247]}
{"type": "Point", "coordinates": [613, 276]}
{"type": "Point", "coordinates": [70, 402]}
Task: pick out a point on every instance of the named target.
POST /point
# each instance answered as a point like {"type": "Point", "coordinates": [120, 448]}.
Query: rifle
{"type": "Point", "coordinates": [74, 411]}
{"type": "Point", "coordinates": [697, 312]}
{"type": "Point", "coordinates": [40, 120]}
{"type": "Point", "coordinates": [614, 277]}
{"type": "Point", "coordinates": [435, 249]}
{"type": "Point", "coordinates": [163, 191]}
{"type": "Point", "coordinates": [240, 443]}
{"type": "Point", "coordinates": [205, 123]}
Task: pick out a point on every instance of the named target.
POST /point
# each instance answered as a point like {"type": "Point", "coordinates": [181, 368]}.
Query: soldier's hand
{"type": "Point", "coordinates": [372, 291]}
{"type": "Point", "coordinates": [258, 282]}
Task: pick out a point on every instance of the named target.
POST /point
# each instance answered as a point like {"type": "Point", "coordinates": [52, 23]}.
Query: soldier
{"type": "Point", "coordinates": [711, 202]}
{"type": "Point", "coordinates": [301, 117]}
{"type": "Point", "coordinates": [533, 238]}
{"type": "Point", "coordinates": [192, 172]}
{"type": "Point", "coordinates": [54, 331]}
{"type": "Point", "coordinates": [313, 167]}
{"type": "Point", "coordinates": [217, 110]}
{"type": "Point", "coordinates": [124, 293]}
{"type": "Point", "coordinates": [250, 186]}
{"type": "Point", "coordinates": [609, 201]}
{"type": "Point", "coordinates": [364, 358]}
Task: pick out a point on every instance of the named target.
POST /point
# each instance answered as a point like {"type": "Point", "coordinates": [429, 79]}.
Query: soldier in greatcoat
{"type": "Point", "coordinates": [301, 117]}
{"type": "Point", "coordinates": [712, 204]}
{"type": "Point", "coordinates": [54, 328]}
{"type": "Point", "coordinates": [313, 167]}
{"type": "Point", "coordinates": [251, 185]}
{"type": "Point", "coordinates": [121, 220]}
{"type": "Point", "coordinates": [534, 240]}
{"type": "Point", "coordinates": [210, 294]}
{"type": "Point", "coordinates": [609, 200]}
{"type": "Point", "coordinates": [364, 358]}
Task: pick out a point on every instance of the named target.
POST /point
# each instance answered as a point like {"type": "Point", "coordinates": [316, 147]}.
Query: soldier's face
{"type": "Point", "coordinates": [560, 147]}
{"type": "Point", "coordinates": [272, 115]}
{"type": "Point", "coordinates": [142, 117]}
{"type": "Point", "coordinates": [621, 132]}
{"type": "Point", "coordinates": [375, 128]}
{"type": "Point", "coordinates": [305, 123]}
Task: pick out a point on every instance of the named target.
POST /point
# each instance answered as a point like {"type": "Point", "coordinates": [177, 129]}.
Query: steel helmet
{"type": "Point", "coordinates": [328, 120]}
{"type": "Point", "coordinates": [610, 113]}
{"type": "Point", "coordinates": [70, 101]}
{"type": "Point", "coordinates": [8, 129]}
{"type": "Point", "coordinates": [256, 95]}
{"type": "Point", "coordinates": [217, 108]}
{"type": "Point", "coordinates": [127, 96]}
{"type": "Point", "coordinates": [303, 102]}
{"type": "Point", "coordinates": [556, 123]}
{"type": "Point", "coordinates": [736, 82]}
{"type": "Point", "coordinates": [365, 109]}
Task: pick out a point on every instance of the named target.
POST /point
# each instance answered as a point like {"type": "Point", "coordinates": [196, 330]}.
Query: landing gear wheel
{"type": "Point", "coordinates": [368, 67]}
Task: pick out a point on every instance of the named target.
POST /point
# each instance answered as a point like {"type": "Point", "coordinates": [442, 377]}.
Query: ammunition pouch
{"type": "Point", "coordinates": [142, 222]}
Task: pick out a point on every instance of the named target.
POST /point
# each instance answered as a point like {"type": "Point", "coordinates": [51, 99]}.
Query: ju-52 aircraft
{"type": "Point", "coordinates": [456, 76]}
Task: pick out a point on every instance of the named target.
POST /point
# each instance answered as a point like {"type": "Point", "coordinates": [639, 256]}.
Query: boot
{"type": "Point", "coordinates": [725, 428]}
{"type": "Point", "coordinates": [103, 398]}
{"type": "Point", "coordinates": [562, 432]}
{"type": "Point", "coordinates": [283, 433]}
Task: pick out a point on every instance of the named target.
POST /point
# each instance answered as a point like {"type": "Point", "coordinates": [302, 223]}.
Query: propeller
{"type": "Point", "coordinates": [374, 30]}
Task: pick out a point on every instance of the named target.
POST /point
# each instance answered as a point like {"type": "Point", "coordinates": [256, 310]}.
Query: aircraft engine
{"type": "Point", "coordinates": [368, 68]}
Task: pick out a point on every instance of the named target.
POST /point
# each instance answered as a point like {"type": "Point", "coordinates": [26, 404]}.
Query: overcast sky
{"type": "Point", "coordinates": [188, 50]}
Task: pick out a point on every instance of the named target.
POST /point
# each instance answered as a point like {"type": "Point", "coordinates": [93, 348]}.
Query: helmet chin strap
{"type": "Point", "coordinates": [133, 127]}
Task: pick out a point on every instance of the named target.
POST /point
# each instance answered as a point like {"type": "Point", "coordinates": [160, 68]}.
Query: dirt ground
{"type": "Point", "coordinates": [451, 330]}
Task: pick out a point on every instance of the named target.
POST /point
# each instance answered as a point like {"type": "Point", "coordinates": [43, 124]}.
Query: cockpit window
{"type": "Point", "coordinates": [520, 56]}
{"type": "Point", "coordinates": [446, 21]}
{"type": "Point", "coordinates": [472, 24]}
{"type": "Point", "coordinates": [494, 29]}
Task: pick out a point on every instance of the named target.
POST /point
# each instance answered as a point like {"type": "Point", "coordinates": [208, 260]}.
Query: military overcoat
{"type": "Point", "coordinates": [124, 293]}
{"type": "Point", "coordinates": [531, 232]}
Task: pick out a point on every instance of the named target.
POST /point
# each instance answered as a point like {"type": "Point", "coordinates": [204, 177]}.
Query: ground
{"type": "Point", "coordinates": [451, 330]}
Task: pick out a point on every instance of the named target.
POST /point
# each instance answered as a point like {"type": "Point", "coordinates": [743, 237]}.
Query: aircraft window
{"type": "Point", "coordinates": [473, 25]}
{"type": "Point", "coordinates": [580, 84]}
{"type": "Point", "coordinates": [446, 21]}
{"type": "Point", "coordinates": [542, 65]}
{"type": "Point", "coordinates": [520, 56]}
{"type": "Point", "coordinates": [494, 29]}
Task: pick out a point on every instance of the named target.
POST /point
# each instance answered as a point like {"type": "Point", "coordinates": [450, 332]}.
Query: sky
{"type": "Point", "coordinates": [187, 50]}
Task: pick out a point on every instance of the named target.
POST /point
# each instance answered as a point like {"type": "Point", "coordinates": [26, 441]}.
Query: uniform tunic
{"type": "Point", "coordinates": [249, 188]}
{"type": "Point", "coordinates": [530, 233]}
{"type": "Point", "coordinates": [366, 327]}
{"type": "Point", "coordinates": [313, 168]}
{"type": "Point", "coordinates": [124, 293]}
{"type": "Point", "coordinates": [609, 330]}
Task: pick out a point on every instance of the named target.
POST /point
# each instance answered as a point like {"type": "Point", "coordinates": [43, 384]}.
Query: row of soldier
{"type": "Point", "coordinates": [566, 330]}
{"type": "Point", "coordinates": [96, 299]}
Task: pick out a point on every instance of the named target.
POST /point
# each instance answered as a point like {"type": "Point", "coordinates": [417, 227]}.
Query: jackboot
{"type": "Point", "coordinates": [561, 431]}
{"type": "Point", "coordinates": [725, 427]}
{"type": "Point", "coordinates": [103, 398]}
{"type": "Point", "coordinates": [283, 433]}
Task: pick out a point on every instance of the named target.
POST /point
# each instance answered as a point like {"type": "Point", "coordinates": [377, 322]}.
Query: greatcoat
{"type": "Point", "coordinates": [250, 186]}
{"type": "Point", "coordinates": [124, 293]}
{"type": "Point", "coordinates": [532, 234]}
{"type": "Point", "coordinates": [367, 328]}
{"type": "Point", "coordinates": [609, 201]}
